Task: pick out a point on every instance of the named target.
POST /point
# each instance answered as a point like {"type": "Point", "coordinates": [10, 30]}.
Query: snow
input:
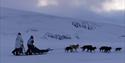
{"type": "Point", "coordinates": [13, 21]}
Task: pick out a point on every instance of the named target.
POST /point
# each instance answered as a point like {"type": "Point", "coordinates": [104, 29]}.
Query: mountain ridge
{"type": "Point", "coordinates": [24, 13]}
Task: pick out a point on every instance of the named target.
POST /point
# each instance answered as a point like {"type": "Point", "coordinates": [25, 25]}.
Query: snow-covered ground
{"type": "Point", "coordinates": [30, 23]}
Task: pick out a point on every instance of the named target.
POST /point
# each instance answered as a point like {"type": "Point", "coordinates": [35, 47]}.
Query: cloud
{"type": "Point", "coordinates": [101, 5]}
{"type": "Point", "coordinates": [113, 5]}
{"type": "Point", "coordinates": [45, 3]}
{"type": "Point", "coordinates": [95, 10]}
{"type": "Point", "coordinates": [93, 5]}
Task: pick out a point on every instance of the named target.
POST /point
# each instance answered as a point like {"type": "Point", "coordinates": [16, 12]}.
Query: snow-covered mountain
{"type": "Point", "coordinates": [56, 32]}
{"type": "Point", "coordinates": [13, 21]}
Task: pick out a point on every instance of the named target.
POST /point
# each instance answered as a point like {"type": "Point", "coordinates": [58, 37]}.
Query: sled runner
{"type": "Point", "coordinates": [35, 52]}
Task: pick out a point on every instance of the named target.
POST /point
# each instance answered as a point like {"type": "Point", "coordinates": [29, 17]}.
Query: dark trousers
{"type": "Point", "coordinates": [17, 51]}
{"type": "Point", "coordinates": [32, 50]}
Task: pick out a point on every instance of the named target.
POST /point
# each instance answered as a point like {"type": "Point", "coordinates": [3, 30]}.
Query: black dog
{"type": "Point", "coordinates": [68, 49]}
{"type": "Point", "coordinates": [74, 47]}
{"type": "Point", "coordinates": [92, 49]}
{"type": "Point", "coordinates": [118, 49]}
{"type": "Point", "coordinates": [105, 49]}
{"type": "Point", "coordinates": [86, 48]}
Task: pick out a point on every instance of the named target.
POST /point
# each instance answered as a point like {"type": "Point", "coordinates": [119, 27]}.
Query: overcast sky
{"type": "Point", "coordinates": [111, 11]}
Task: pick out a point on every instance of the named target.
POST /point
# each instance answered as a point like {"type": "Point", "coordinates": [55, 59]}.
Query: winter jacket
{"type": "Point", "coordinates": [30, 41]}
{"type": "Point", "coordinates": [19, 42]}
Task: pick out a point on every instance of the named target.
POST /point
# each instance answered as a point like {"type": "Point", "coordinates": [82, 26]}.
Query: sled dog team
{"type": "Point", "coordinates": [32, 49]}
{"type": "Point", "coordinates": [90, 48]}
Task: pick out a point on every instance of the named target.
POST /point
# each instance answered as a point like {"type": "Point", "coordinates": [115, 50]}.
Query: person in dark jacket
{"type": "Point", "coordinates": [31, 48]}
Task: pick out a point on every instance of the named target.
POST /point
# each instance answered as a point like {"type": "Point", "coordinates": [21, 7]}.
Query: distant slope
{"type": "Point", "coordinates": [13, 21]}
